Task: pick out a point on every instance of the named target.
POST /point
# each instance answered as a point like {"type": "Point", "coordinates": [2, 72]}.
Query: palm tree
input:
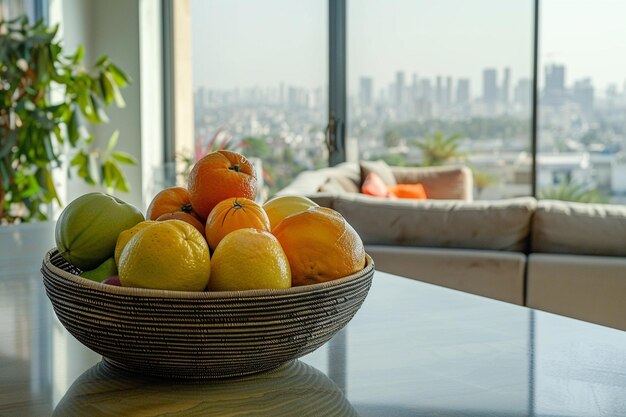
{"type": "Point", "coordinates": [571, 191]}
{"type": "Point", "coordinates": [482, 180]}
{"type": "Point", "coordinates": [438, 149]}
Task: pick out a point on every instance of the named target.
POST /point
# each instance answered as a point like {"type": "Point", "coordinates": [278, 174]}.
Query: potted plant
{"type": "Point", "coordinates": [47, 99]}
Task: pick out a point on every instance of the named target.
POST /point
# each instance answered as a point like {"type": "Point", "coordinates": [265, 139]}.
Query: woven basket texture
{"type": "Point", "coordinates": [200, 335]}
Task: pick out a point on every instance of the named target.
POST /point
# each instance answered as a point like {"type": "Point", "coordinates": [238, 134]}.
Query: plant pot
{"type": "Point", "coordinates": [24, 245]}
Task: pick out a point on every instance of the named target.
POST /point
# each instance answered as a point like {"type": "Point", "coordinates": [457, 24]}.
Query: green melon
{"type": "Point", "coordinates": [87, 229]}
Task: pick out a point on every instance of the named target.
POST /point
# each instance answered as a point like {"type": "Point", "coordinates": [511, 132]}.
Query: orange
{"type": "Point", "coordinates": [217, 176]}
{"type": "Point", "coordinates": [249, 259]}
{"type": "Point", "coordinates": [186, 217]}
{"type": "Point", "coordinates": [233, 214]}
{"type": "Point", "coordinates": [124, 237]}
{"type": "Point", "coordinates": [320, 246]}
{"type": "Point", "coordinates": [280, 207]}
{"type": "Point", "coordinates": [168, 255]}
{"type": "Point", "coordinates": [169, 200]}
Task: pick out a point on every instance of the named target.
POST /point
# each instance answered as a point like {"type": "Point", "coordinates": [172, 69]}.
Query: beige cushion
{"type": "Point", "coordinates": [447, 182]}
{"type": "Point", "coordinates": [498, 275]}
{"type": "Point", "coordinates": [590, 288]}
{"type": "Point", "coordinates": [381, 168]}
{"type": "Point", "coordinates": [338, 184]}
{"type": "Point", "coordinates": [495, 225]}
{"type": "Point", "coordinates": [579, 228]}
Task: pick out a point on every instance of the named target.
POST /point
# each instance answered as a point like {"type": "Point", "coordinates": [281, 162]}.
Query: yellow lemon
{"type": "Point", "coordinates": [280, 207]}
{"type": "Point", "coordinates": [168, 255]}
{"type": "Point", "coordinates": [124, 237]}
{"type": "Point", "coordinates": [248, 259]}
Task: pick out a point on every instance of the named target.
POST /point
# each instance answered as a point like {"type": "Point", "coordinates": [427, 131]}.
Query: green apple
{"type": "Point", "coordinates": [87, 229]}
{"type": "Point", "coordinates": [102, 272]}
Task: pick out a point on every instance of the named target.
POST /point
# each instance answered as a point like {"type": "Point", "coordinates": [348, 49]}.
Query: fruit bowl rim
{"type": "Point", "coordinates": [201, 295]}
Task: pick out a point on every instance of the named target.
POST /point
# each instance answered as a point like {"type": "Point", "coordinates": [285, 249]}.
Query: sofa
{"type": "Point", "coordinates": [560, 257]}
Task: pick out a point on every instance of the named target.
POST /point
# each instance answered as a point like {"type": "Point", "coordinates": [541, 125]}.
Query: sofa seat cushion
{"type": "Point", "coordinates": [494, 225]}
{"type": "Point", "coordinates": [497, 275]}
{"type": "Point", "coordinates": [579, 228]}
{"type": "Point", "coordinates": [589, 288]}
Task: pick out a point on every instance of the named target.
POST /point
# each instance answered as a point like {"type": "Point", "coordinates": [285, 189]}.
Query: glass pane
{"type": "Point", "coordinates": [582, 123]}
{"type": "Point", "coordinates": [446, 82]}
{"type": "Point", "coordinates": [260, 82]}
{"type": "Point", "coordinates": [10, 9]}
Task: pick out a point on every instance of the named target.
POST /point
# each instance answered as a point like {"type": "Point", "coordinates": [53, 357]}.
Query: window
{"type": "Point", "coordinates": [582, 113]}
{"type": "Point", "coordinates": [260, 82]}
{"type": "Point", "coordinates": [454, 70]}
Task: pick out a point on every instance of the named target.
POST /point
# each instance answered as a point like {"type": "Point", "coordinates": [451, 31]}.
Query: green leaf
{"type": "Point", "coordinates": [107, 88]}
{"type": "Point", "coordinates": [9, 143]}
{"type": "Point", "coordinates": [72, 129]}
{"type": "Point", "coordinates": [78, 56]}
{"type": "Point", "coordinates": [102, 60]}
{"type": "Point", "coordinates": [124, 158]}
{"type": "Point", "coordinates": [120, 77]}
{"type": "Point", "coordinates": [101, 116]}
{"type": "Point", "coordinates": [113, 141]}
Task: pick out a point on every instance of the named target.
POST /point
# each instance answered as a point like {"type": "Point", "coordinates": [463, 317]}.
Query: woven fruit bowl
{"type": "Point", "coordinates": [200, 335]}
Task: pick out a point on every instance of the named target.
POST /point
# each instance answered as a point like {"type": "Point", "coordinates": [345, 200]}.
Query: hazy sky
{"type": "Point", "coordinates": [242, 43]}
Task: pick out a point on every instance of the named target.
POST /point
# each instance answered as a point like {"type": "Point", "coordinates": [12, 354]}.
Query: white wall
{"type": "Point", "coordinates": [129, 32]}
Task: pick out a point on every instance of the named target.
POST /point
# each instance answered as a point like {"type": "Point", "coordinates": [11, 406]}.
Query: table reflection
{"type": "Point", "coordinates": [293, 389]}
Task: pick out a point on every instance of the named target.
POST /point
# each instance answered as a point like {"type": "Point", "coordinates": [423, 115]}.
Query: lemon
{"type": "Point", "coordinates": [248, 259]}
{"type": "Point", "coordinates": [124, 237]}
{"type": "Point", "coordinates": [168, 255]}
{"type": "Point", "coordinates": [280, 207]}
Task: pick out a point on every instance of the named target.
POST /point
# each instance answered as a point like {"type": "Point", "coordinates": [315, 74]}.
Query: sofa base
{"type": "Point", "coordinates": [493, 274]}
{"type": "Point", "coordinates": [589, 288]}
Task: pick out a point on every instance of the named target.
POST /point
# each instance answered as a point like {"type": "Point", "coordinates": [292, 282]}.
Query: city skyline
{"type": "Point", "coordinates": [497, 85]}
{"type": "Point", "coordinates": [281, 40]}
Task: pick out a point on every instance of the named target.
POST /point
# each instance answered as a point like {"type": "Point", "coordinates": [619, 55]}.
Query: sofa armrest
{"type": "Point", "coordinates": [441, 183]}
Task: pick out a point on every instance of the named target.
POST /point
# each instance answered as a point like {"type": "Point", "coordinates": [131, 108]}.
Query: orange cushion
{"type": "Point", "coordinates": [415, 191]}
{"type": "Point", "coordinates": [374, 185]}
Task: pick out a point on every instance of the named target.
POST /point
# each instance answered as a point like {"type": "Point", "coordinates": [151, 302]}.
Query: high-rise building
{"type": "Point", "coordinates": [463, 91]}
{"type": "Point", "coordinates": [554, 89]}
{"type": "Point", "coordinates": [399, 88]}
{"type": "Point", "coordinates": [438, 91]}
{"type": "Point", "coordinates": [523, 92]}
{"type": "Point", "coordinates": [448, 93]}
{"type": "Point", "coordinates": [506, 86]}
{"type": "Point", "coordinates": [365, 91]}
{"type": "Point", "coordinates": [582, 94]}
{"type": "Point", "coordinates": [490, 86]}
{"type": "Point", "coordinates": [426, 89]}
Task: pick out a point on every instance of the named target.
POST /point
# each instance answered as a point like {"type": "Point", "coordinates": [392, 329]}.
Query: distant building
{"type": "Point", "coordinates": [490, 86]}
{"type": "Point", "coordinates": [582, 94]}
{"type": "Point", "coordinates": [426, 89]}
{"type": "Point", "coordinates": [448, 92]}
{"type": "Point", "coordinates": [554, 89]}
{"type": "Point", "coordinates": [399, 88]}
{"type": "Point", "coordinates": [523, 92]}
{"type": "Point", "coordinates": [438, 90]}
{"type": "Point", "coordinates": [463, 91]}
{"type": "Point", "coordinates": [506, 87]}
{"type": "Point", "coordinates": [366, 91]}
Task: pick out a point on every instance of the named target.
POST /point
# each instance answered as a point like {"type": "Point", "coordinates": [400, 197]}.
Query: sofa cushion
{"type": "Point", "coordinates": [374, 185]}
{"type": "Point", "coordinates": [381, 168]}
{"type": "Point", "coordinates": [589, 288]}
{"type": "Point", "coordinates": [579, 228]}
{"type": "Point", "coordinates": [338, 184]}
{"type": "Point", "coordinates": [415, 191]}
{"type": "Point", "coordinates": [493, 274]}
{"type": "Point", "coordinates": [495, 225]}
{"type": "Point", "coordinates": [440, 183]}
